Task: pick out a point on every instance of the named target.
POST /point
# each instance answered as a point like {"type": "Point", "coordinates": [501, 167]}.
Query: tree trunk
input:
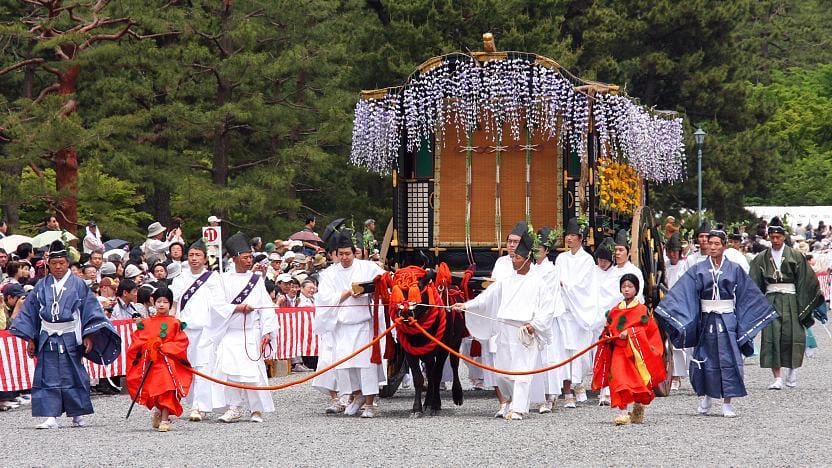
{"type": "Point", "coordinates": [66, 160]}
{"type": "Point", "coordinates": [161, 205]}
{"type": "Point", "coordinates": [219, 174]}
{"type": "Point", "coordinates": [650, 86]}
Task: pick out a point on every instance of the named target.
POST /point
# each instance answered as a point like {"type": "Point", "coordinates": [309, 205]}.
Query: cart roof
{"type": "Point", "coordinates": [491, 89]}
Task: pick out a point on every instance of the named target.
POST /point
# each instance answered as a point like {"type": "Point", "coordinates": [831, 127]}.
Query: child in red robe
{"type": "Point", "coordinates": [633, 364]}
{"type": "Point", "coordinates": [159, 347]}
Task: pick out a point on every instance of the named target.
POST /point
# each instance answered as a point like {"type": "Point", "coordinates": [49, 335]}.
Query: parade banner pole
{"type": "Point", "coordinates": [212, 236]}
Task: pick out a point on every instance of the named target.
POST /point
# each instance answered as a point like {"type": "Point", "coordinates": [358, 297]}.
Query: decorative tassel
{"type": "Point", "coordinates": [414, 296]}
{"type": "Point", "coordinates": [396, 297]}
{"type": "Point", "coordinates": [443, 275]}
{"type": "Point", "coordinates": [375, 357]}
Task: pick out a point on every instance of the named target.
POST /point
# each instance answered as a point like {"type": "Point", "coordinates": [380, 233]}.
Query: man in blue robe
{"type": "Point", "coordinates": [717, 309]}
{"type": "Point", "coordinates": [62, 322]}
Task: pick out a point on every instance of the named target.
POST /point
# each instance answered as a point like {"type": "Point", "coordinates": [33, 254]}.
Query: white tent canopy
{"type": "Point", "coordinates": [792, 215]}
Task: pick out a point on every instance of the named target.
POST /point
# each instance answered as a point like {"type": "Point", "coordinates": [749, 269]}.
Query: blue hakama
{"type": "Point", "coordinates": [719, 339]}
{"type": "Point", "coordinates": [61, 383]}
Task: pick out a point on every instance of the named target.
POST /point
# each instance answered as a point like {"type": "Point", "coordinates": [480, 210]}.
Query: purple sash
{"type": "Point", "coordinates": [247, 289]}
{"type": "Point", "coordinates": [194, 287]}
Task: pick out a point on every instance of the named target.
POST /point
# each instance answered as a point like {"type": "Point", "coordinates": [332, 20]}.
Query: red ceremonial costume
{"type": "Point", "coordinates": [161, 341]}
{"type": "Point", "coordinates": [631, 367]}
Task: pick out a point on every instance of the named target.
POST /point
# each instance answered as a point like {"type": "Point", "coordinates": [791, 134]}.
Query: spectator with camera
{"type": "Point", "coordinates": [126, 295]}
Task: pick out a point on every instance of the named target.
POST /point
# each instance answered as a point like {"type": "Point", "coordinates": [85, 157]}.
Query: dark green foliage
{"type": "Point", "coordinates": [244, 109]}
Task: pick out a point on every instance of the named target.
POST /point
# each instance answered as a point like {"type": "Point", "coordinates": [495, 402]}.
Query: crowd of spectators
{"type": "Point", "coordinates": [124, 278]}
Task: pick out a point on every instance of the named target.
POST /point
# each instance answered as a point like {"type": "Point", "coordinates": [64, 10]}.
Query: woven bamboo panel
{"type": "Point", "coordinates": [547, 183]}
{"type": "Point", "coordinates": [449, 191]}
{"type": "Point", "coordinates": [513, 175]}
{"type": "Point", "coordinates": [449, 214]}
{"type": "Point", "coordinates": [484, 190]}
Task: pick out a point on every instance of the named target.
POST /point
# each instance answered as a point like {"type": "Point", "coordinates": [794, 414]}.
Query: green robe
{"type": "Point", "coordinates": [784, 340]}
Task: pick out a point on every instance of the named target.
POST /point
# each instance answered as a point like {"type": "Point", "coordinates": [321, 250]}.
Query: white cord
{"type": "Point", "coordinates": [474, 313]}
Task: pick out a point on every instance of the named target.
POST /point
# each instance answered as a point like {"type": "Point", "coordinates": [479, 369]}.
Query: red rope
{"type": "Point", "coordinates": [433, 316]}
{"type": "Point", "coordinates": [381, 294]}
{"type": "Point", "coordinates": [307, 378]}
{"type": "Point", "coordinates": [503, 371]}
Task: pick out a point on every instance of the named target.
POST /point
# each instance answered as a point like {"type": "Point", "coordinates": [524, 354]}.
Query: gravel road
{"type": "Point", "coordinates": [789, 427]}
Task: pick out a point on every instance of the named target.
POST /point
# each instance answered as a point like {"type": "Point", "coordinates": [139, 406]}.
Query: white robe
{"type": "Point", "coordinates": [550, 382]}
{"type": "Point", "coordinates": [693, 258]}
{"type": "Point", "coordinates": [240, 343]}
{"type": "Point", "coordinates": [326, 382]}
{"type": "Point", "coordinates": [503, 268]}
{"type": "Point", "coordinates": [515, 301]}
{"type": "Point", "coordinates": [350, 322]}
{"type": "Point", "coordinates": [631, 269]}
{"type": "Point", "coordinates": [609, 290]}
{"type": "Point", "coordinates": [579, 296]}
{"type": "Point", "coordinates": [205, 313]}
{"type": "Point", "coordinates": [681, 357]}
{"type": "Point", "coordinates": [674, 272]}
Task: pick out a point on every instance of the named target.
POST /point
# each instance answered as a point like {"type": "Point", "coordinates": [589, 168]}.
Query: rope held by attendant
{"type": "Point", "coordinates": [507, 372]}
{"type": "Point", "coordinates": [375, 340]}
{"type": "Point", "coordinates": [299, 381]}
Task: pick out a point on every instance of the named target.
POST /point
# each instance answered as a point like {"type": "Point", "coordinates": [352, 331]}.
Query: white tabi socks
{"type": "Point", "coordinates": [728, 411]}
{"type": "Point", "coordinates": [50, 423]}
{"type": "Point", "coordinates": [791, 378]}
{"type": "Point", "coordinates": [704, 405]}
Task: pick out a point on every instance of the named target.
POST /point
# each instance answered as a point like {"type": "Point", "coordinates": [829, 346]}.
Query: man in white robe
{"type": "Point", "coordinates": [675, 267]}
{"type": "Point", "coordinates": [580, 297]}
{"type": "Point", "coordinates": [349, 317]}
{"type": "Point", "coordinates": [549, 382]}
{"type": "Point", "coordinates": [247, 339]}
{"type": "Point", "coordinates": [607, 278]}
{"type": "Point", "coordinates": [503, 268]}
{"type": "Point", "coordinates": [200, 303]}
{"type": "Point", "coordinates": [609, 291]}
{"type": "Point", "coordinates": [522, 307]}
{"type": "Point", "coordinates": [327, 383]}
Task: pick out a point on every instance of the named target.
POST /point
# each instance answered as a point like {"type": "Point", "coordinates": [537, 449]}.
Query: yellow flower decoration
{"type": "Point", "coordinates": [620, 187]}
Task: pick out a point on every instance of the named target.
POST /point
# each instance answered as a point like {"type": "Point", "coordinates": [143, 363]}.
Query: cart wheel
{"type": "Point", "coordinates": [663, 389]}
{"type": "Point", "coordinates": [647, 253]}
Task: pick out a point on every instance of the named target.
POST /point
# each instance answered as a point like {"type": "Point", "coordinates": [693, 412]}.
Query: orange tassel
{"type": "Point", "coordinates": [443, 275]}
{"type": "Point", "coordinates": [396, 296]}
{"type": "Point", "coordinates": [413, 295]}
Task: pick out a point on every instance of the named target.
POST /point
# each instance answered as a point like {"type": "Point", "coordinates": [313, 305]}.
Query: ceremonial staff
{"type": "Point", "coordinates": [139, 390]}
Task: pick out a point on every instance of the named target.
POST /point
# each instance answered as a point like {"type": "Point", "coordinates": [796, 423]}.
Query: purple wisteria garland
{"type": "Point", "coordinates": [501, 93]}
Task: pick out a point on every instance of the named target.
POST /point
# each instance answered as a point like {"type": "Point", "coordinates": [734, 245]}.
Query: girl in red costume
{"type": "Point", "coordinates": [633, 364]}
{"type": "Point", "coordinates": [159, 347]}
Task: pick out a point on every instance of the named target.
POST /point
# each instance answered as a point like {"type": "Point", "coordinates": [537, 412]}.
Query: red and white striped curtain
{"type": "Point", "coordinates": [17, 370]}
{"type": "Point", "coordinates": [295, 337]}
{"type": "Point", "coordinates": [824, 280]}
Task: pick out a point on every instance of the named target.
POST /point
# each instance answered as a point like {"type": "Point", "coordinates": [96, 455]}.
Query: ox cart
{"type": "Point", "coordinates": [474, 142]}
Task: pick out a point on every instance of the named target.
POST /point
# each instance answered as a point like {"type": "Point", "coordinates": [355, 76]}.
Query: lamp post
{"type": "Point", "coordinates": [699, 136]}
